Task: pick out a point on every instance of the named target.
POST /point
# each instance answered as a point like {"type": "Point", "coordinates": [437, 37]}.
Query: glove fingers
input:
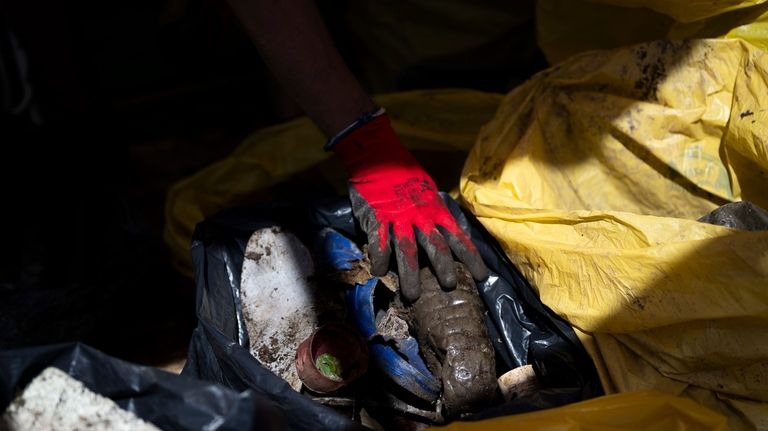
{"type": "Point", "coordinates": [379, 250]}
{"type": "Point", "coordinates": [407, 258]}
{"type": "Point", "coordinates": [378, 233]}
{"type": "Point", "coordinates": [439, 254]}
{"type": "Point", "coordinates": [465, 251]}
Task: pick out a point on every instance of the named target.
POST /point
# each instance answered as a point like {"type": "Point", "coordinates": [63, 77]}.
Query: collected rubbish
{"type": "Point", "coordinates": [280, 299]}
{"type": "Point", "coordinates": [70, 386]}
{"type": "Point", "coordinates": [283, 282]}
{"type": "Point", "coordinates": [56, 401]}
{"type": "Point", "coordinates": [452, 334]}
{"type": "Point", "coordinates": [332, 357]}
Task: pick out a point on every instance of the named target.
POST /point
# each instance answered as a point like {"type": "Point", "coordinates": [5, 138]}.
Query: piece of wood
{"type": "Point", "coordinates": [518, 382]}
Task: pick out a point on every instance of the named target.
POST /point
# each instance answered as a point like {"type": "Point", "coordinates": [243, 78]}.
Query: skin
{"type": "Point", "coordinates": [293, 41]}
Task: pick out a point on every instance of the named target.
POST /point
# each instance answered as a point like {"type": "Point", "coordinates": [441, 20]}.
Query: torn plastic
{"type": "Point", "coordinates": [524, 331]}
{"type": "Point", "coordinates": [164, 399]}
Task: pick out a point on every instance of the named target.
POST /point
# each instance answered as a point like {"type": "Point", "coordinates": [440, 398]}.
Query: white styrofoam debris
{"type": "Point", "coordinates": [278, 299]}
{"type": "Point", "coordinates": [54, 401]}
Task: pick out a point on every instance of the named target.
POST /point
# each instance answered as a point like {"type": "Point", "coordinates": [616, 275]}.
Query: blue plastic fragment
{"type": "Point", "coordinates": [360, 300]}
{"type": "Point", "coordinates": [404, 364]}
{"type": "Point", "coordinates": [337, 250]}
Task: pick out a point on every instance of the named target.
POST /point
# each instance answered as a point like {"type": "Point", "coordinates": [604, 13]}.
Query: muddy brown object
{"type": "Point", "coordinates": [455, 342]}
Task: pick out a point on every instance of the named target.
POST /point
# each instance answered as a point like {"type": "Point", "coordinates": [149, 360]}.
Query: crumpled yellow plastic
{"type": "Point", "coordinates": [568, 27]}
{"type": "Point", "coordinates": [645, 410]}
{"type": "Point", "coordinates": [592, 176]}
{"type": "Point", "coordinates": [686, 10]}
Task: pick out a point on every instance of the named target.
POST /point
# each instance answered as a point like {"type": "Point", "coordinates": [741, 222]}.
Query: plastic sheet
{"type": "Point", "coordinates": [167, 400]}
{"type": "Point", "coordinates": [593, 175]}
{"type": "Point", "coordinates": [629, 411]}
{"type": "Point", "coordinates": [569, 27]}
{"type": "Point", "coordinates": [525, 331]}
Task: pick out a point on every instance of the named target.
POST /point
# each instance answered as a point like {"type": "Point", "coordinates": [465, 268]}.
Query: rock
{"type": "Point", "coordinates": [56, 401]}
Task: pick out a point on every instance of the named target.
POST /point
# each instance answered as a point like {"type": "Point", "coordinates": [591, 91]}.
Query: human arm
{"type": "Point", "coordinates": [393, 198]}
{"type": "Point", "coordinates": [294, 43]}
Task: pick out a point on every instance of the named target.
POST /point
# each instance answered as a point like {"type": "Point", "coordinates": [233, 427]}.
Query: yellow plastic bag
{"type": "Point", "coordinates": [395, 36]}
{"type": "Point", "coordinates": [568, 27]}
{"type": "Point", "coordinates": [592, 176]}
{"type": "Point", "coordinates": [440, 120]}
{"type": "Point", "coordinates": [632, 411]}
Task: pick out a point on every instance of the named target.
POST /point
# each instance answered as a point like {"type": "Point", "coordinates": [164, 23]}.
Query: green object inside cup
{"type": "Point", "coordinates": [329, 366]}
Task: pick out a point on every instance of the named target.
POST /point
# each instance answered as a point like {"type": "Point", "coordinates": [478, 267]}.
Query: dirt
{"type": "Point", "coordinates": [652, 62]}
{"type": "Point", "coordinates": [455, 343]}
{"type": "Point", "coordinates": [361, 273]}
{"type": "Point", "coordinates": [392, 326]}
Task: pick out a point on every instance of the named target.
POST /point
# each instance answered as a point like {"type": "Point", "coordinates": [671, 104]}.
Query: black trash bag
{"type": "Point", "coordinates": [169, 401]}
{"type": "Point", "coordinates": [523, 330]}
{"type": "Point", "coordinates": [743, 215]}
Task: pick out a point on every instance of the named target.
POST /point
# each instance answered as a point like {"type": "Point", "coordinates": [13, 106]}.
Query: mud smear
{"type": "Point", "coordinates": [452, 334]}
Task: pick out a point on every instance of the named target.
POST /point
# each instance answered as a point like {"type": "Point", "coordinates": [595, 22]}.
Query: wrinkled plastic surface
{"type": "Point", "coordinates": [525, 332]}
{"type": "Point", "coordinates": [592, 176]}
{"type": "Point", "coordinates": [219, 350]}
{"type": "Point", "coordinates": [169, 401]}
{"type": "Point", "coordinates": [569, 27]}
{"type": "Point", "coordinates": [631, 411]}
{"type": "Point", "coordinates": [426, 43]}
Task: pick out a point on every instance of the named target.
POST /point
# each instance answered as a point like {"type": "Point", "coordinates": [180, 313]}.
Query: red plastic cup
{"type": "Point", "coordinates": [340, 341]}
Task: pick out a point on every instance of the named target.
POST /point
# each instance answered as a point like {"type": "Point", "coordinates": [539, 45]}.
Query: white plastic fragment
{"type": "Point", "coordinates": [54, 401]}
{"type": "Point", "coordinates": [278, 299]}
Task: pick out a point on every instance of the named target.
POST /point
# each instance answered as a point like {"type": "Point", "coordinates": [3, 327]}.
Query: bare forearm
{"type": "Point", "coordinates": [292, 39]}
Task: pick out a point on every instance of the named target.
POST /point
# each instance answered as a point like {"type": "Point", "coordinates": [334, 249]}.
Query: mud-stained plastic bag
{"type": "Point", "coordinates": [524, 331]}
{"type": "Point", "coordinates": [645, 410]}
{"type": "Point", "coordinates": [169, 401]}
{"type": "Point", "coordinates": [592, 176]}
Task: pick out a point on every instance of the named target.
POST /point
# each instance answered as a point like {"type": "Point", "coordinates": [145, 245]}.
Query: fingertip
{"type": "Point", "coordinates": [478, 269]}
{"type": "Point", "coordinates": [465, 250]}
{"type": "Point", "coordinates": [410, 283]}
{"type": "Point", "coordinates": [379, 250]}
{"type": "Point", "coordinates": [410, 289]}
{"type": "Point", "coordinates": [447, 277]}
{"type": "Point", "coordinates": [379, 265]}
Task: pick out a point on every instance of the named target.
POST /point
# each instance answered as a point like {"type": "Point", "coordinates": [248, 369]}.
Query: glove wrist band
{"type": "Point", "coordinates": [360, 122]}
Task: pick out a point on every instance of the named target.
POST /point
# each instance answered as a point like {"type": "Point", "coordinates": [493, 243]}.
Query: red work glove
{"type": "Point", "coordinates": [397, 204]}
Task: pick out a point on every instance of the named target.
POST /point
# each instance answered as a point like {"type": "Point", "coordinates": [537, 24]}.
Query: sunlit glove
{"type": "Point", "coordinates": [397, 204]}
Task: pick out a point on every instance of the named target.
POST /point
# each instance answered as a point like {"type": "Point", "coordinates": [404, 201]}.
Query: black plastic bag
{"type": "Point", "coordinates": [523, 330]}
{"type": "Point", "coordinates": [169, 401]}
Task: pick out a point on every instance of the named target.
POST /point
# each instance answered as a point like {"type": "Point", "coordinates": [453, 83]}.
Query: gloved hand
{"type": "Point", "coordinates": [398, 206]}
